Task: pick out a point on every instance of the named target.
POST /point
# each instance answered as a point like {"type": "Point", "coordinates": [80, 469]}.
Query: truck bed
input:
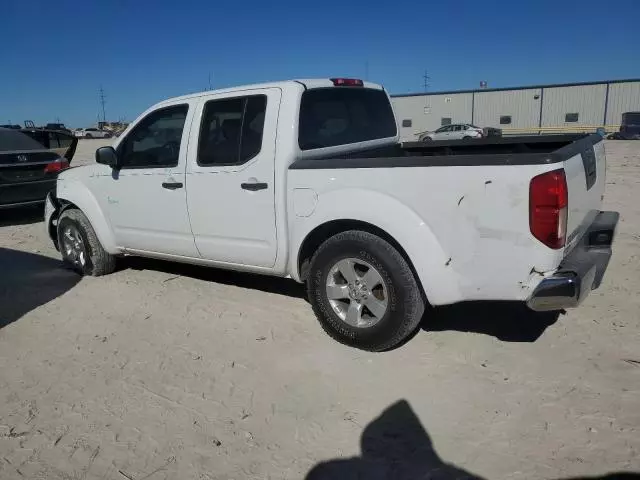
{"type": "Point", "coordinates": [522, 150]}
{"type": "Point", "coordinates": [475, 199]}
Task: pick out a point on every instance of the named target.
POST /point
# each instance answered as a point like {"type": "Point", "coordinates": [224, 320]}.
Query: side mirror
{"type": "Point", "coordinates": [107, 156]}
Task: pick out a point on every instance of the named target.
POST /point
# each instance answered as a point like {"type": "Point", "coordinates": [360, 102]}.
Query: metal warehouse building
{"type": "Point", "coordinates": [570, 107]}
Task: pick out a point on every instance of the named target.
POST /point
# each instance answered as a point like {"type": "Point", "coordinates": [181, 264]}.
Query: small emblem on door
{"type": "Point", "coordinates": [22, 158]}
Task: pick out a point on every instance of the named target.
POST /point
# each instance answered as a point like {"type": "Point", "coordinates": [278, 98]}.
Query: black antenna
{"type": "Point", "coordinates": [210, 84]}
{"type": "Point", "coordinates": [102, 98]}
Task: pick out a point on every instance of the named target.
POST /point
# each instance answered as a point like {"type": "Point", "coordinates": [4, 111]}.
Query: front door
{"type": "Point", "coordinates": [230, 178]}
{"type": "Point", "coordinates": [146, 199]}
{"type": "Point", "coordinates": [442, 133]}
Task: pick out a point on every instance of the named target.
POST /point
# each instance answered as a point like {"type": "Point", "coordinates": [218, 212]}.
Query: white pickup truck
{"type": "Point", "coordinates": [306, 179]}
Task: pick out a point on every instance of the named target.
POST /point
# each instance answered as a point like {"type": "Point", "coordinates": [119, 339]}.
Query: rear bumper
{"type": "Point", "coordinates": [26, 193]}
{"type": "Point", "coordinates": [581, 271]}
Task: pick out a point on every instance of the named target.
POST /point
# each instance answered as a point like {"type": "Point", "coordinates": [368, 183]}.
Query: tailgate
{"type": "Point", "coordinates": [585, 169]}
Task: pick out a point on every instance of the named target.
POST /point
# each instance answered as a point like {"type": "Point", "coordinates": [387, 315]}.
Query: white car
{"type": "Point", "coordinates": [93, 133]}
{"type": "Point", "coordinates": [284, 179]}
{"type": "Point", "coordinates": [458, 131]}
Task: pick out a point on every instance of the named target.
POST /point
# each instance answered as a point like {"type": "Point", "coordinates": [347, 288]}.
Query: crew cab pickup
{"type": "Point", "coordinates": [306, 179]}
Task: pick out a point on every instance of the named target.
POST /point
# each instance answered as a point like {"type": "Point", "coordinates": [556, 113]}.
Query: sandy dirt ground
{"type": "Point", "coordinates": [171, 372]}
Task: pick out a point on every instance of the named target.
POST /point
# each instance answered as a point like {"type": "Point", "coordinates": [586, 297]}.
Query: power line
{"type": "Point", "coordinates": [102, 98]}
{"type": "Point", "coordinates": [426, 85]}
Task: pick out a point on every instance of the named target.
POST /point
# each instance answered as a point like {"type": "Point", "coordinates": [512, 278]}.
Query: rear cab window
{"type": "Point", "coordinates": [336, 116]}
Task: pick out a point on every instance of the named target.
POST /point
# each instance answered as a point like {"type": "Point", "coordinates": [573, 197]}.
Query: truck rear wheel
{"type": "Point", "coordinates": [81, 250]}
{"type": "Point", "coordinates": [363, 291]}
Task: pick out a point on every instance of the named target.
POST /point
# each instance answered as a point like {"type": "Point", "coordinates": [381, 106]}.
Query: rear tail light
{"type": "Point", "coordinates": [347, 82]}
{"type": "Point", "coordinates": [56, 166]}
{"type": "Point", "coordinates": [548, 200]}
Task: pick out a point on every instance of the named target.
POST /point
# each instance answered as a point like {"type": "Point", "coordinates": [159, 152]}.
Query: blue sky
{"type": "Point", "coordinates": [55, 55]}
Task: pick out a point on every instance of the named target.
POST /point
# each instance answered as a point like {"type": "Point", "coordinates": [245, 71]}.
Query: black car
{"type": "Point", "coordinates": [630, 126]}
{"type": "Point", "coordinates": [29, 164]}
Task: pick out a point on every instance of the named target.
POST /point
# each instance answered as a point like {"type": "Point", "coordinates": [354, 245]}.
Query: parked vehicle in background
{"type": "Point", "coordinates": [28, 168]}
{"type": "Point", "coordinates": [306, 179]}
{"type": "Point", "coordinates": [630, 126]}
{"type": "Point", "coordinates": [458, 131]}
{"type": "Point", "coordinates": [92, 133]}
{"type": "Point", "coordinates": [57, 126]}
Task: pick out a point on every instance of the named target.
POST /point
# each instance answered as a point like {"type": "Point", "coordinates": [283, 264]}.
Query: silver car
{"type": "Point", "coordinates": [458, 131]}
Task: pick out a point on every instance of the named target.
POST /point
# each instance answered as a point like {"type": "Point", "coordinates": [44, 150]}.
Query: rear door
{"type": "Point", "coordinates": [230, 177]}
{"type": "Point", "coordinates": [585, 170]}
{"type": "Point", "coordinates": [457, 132]}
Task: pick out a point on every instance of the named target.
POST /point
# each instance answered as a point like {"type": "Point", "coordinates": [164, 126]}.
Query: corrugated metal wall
{"type": "Point", "coordinates": [427, 111]}
{"type": "Point", "coordinates": [587, 101]}
{"type": "Point", "coordinates": [521, 105]}
{"type": "Point", "coordinates": [623, 97]}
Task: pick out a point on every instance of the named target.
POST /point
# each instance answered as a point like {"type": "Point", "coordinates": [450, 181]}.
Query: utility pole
{"type": "Point", "coordinates": [102, 98]}
{"type": "Point", "coordinates": [426, 85]}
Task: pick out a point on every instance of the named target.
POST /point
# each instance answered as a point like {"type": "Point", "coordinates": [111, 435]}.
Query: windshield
{"type": "Point", "coordinates": [631, 118]}
{"type": "Point", "coordinates": [343, 115]}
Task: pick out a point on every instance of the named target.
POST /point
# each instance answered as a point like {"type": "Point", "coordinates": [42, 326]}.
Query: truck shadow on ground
{"type": "Point", "coordinates": [506, 321]}
{"type": "Point", "coordinates": [28, 280]}
{"type": "Point", "coordinates": [21, 216]}
{"type": "Point", "coordinates": [396, 446]}
{"type": "Point", "coordinates": [264, 283]}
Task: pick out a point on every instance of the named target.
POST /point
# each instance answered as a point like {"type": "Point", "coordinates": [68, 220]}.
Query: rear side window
{"type": "Point", "coordinates": [13, 140]}
{"type": "Point", "coordinates": [231, 130]}
{"type": "Point", "coordinates": [344, 115]}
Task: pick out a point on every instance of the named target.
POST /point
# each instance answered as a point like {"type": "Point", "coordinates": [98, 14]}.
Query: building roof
{"type": "Point", "coordinates": [502, 89]}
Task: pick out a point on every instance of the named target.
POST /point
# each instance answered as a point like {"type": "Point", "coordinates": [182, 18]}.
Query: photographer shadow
{"type": "Point", "coordinates": [395, 446]}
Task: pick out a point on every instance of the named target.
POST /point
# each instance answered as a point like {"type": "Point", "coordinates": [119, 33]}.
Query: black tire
{"type": "Point", "coordinates": [466, 139]}
{"type": "Point", "coordinates": [88, 135]}
{"type": "Point", "coordinates": [427, 139]}
{"type": "Point", "coordinates": [405, 303]}
{"type": "Point", "coordinates": [97, 261]}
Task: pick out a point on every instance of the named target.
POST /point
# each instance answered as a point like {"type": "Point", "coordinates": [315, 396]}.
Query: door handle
{"type": "Point", "coordinates": [254, 186]}
{"type": "Point", "coordinates": [171, 185]}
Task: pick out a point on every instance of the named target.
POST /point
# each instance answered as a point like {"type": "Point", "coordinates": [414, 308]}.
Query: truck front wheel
{"type": "Point", "coordinates": [363, 291]}
{"type": "Point", "coordinates": [81, 250]}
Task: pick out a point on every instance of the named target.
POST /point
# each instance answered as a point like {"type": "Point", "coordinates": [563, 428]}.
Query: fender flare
{"type": "Point", "coordinates": [76, 195]}
{"type": "Point", "coordinates": [400, 222]}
